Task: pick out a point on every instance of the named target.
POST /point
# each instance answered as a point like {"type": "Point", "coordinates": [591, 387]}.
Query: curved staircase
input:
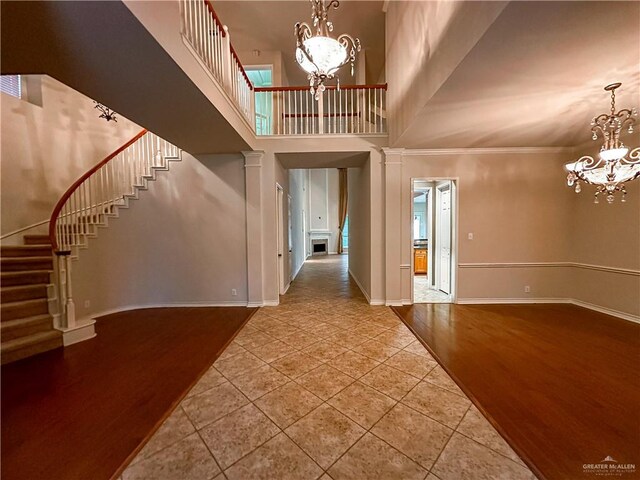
{"type": "Point", "coordinates": [26, 326]}
{"type": "Point", "coordinates": [37, 275]}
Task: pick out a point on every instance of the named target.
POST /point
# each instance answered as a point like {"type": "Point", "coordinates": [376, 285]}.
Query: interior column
{"type": "Point", "coordinates": [253, 193]}
{"type": "Point", "coordinates": [392, 158]}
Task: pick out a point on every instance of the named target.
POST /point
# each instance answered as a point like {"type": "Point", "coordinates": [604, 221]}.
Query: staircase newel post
{"type": "Point", "coordinates": [227, 60]}
{"type": "Point", "coordinates": [70, 306]}
{"type": "Point", "coordinates": [60, 280]}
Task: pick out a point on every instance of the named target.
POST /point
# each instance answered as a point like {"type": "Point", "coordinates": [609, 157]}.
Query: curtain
{"type": "Point", "coordinates": [342, 204]}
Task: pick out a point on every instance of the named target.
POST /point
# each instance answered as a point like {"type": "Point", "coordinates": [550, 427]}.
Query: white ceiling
{"type": "Point", "coordinates": [535, 78]}
{"type": "Point", "coordinates": [268, 26]}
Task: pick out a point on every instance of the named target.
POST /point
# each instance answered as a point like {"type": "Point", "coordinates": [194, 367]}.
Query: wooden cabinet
{"type": "Point", "coordinates": [420, 260]}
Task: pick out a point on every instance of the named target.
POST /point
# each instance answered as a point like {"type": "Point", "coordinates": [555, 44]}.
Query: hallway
{"type": "Point", "coordinates": [326, 386]}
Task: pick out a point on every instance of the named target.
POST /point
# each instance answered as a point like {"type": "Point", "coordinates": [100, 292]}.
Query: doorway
{"type": "Point", "coordinates": [433, 243]}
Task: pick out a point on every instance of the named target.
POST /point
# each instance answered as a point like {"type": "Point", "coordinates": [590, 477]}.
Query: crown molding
{"type": "Point", "coordinates": [485, 151]}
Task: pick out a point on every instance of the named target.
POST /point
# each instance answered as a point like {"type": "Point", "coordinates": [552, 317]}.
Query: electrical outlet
{"type": "Point", "coordinates": [527, 289]}
{"type": "Point", "coordinates": [234, 292]}
{"type": "Point", "coordinates": [87, 303]}
{"type": "Point", "coordinates": [470, 236]}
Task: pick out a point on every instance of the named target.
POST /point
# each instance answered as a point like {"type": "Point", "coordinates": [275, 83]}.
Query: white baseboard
{"type": "Point", "coordinates": [84, 330]}
{"type": "Point", "coordinates": [499, 301]}
{"type": "Point", "coordinates": [608, 311]}
{"type": "Point", "coordinates": [397, 303]}
{"type": "Point", "coordinates": [366, 295]}
{"type": "Point", "coordinates": [128, 308]}
{"type": "Point", "coordinates": [295, 274]}
{"type": "Point", "coordinates": [286, 289]}
{"type": "Point", "coordinates": [270, 303]}
{"type": "Point", "coordinates": [572, 301]}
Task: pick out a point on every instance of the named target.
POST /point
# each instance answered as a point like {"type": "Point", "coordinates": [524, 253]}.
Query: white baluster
{"type": "Point", "coordinates": [321, 112]}
{"type": "Point", "coordinates": [375, 111]}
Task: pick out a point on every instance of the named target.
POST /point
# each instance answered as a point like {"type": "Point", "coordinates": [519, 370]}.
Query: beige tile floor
{"type": "Point", "coordinates": [326, 386]}
{"type": "Point", "coordinates": [422, 293]}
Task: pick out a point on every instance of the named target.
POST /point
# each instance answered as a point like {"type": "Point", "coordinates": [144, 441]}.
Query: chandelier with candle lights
{"type": "Point", "coordinates": [615, 164]}
{"type": "Point", "coordinates": [317, 52]}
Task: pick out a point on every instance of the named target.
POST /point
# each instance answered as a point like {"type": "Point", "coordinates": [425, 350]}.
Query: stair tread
{"type": "Point", "coordinates": [22, 259]}
{"type": "Point", "coordinates": [25, 272]}
{"type": "Point", "coordinates": [8, 324]}
{"type": "Point", "coordinates": [28, 340]}
{"type": "Point", "coordinates": [18, 288]}
{"type": "Point", "coordinates": [25, 247]}
{"type": "Point", "coordinates": [25, 302]}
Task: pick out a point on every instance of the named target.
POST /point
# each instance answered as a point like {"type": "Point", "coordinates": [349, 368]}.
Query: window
{"type": "Point", "coordinates": [345, 234]}
{"type": "Point", "coordinates": [11, 85]}
{"type": "Point", "coordinates": [262, 77]}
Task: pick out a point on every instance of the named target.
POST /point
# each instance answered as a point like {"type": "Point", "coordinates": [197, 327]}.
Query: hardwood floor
{"type": "Point", "coordinates": [84, 411]}
{"type": "Point", "coordinates": [560, 382]}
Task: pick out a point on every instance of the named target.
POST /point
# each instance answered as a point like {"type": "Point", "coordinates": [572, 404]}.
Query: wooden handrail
{"type": "Point", "coordinates": [58, 208]}
{"type": "Point", "coordinates": [328, 87]}
{"type": "Point", "coordinates": [244, 74]}
{"type": "Point", "coordinates": [215, 17]}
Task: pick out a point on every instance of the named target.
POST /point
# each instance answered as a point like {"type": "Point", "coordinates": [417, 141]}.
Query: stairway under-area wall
{"type": "Point", "coordinates": [38, 312]}
{"type": "Point", "coordinates": [27, 326]}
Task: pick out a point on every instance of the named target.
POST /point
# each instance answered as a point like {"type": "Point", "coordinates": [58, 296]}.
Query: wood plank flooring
{"type": "Point", "coordinates": [84, 411]}
{"type": "Point", "coordinates": [560, 382]}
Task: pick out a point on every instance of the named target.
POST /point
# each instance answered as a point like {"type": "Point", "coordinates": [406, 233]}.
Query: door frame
{"type": "Point", "coordinates": [454, 232]}
{"type": "Point", "coordinates": [280, 239]}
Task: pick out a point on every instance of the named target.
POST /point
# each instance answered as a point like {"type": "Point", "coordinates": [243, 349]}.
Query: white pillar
{"type": "Point", "coordinates": [70, 306]}
{"type": "Point", "coordinates": [392, 158]}
{"type": "Point", "coordinates": [61, 293]}
{"type": "Point", "coordinates": [254, 207]}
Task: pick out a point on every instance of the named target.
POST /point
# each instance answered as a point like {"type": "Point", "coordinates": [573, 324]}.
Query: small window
{"type": "Point", "coordinates": [11, 85]}
{"type": "Point", "coordinates": [262, 77]}
{"type": "Point", "coordinates": [345, 234]}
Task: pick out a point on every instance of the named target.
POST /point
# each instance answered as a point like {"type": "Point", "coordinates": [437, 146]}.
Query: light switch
{"type": "Point", "coordinates": [470, 236]}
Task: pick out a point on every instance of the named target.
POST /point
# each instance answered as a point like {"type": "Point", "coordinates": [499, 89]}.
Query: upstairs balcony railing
{"type": "Point", "coordinates": [211, 43]}
{"type": "Point", "coordinates": [352, 109]}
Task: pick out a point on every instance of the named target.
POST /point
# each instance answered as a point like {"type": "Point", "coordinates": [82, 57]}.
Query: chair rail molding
{"type": "Point", "coordinates": [618, 270]}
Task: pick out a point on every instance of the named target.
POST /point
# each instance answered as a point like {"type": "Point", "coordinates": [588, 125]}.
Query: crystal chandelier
{"type": "Point", "coordinates": [320, 55]}
{"type": "Point", "coordinates": [614, 167]}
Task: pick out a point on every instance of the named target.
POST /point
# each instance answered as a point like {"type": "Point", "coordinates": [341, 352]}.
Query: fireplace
{"type": "Point", "coordinates": [319, 246]}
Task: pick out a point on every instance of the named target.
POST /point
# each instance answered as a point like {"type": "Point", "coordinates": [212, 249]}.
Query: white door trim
{"type": "Point", "coordinates": [282, 284]}
{"type": "Point", "coordinates": [454, 233]}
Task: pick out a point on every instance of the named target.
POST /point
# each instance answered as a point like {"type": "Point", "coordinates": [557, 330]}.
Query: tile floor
{"type": "Point", "coordinates": [423, 294]}
{"type": "Point", "coordinates": [326, 386]}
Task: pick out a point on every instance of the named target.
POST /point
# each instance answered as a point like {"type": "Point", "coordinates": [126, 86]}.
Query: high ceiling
{"type": "Point", "coordinates": [535, 78]}
{"type": "Point", "coordinates": [268, 26]}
